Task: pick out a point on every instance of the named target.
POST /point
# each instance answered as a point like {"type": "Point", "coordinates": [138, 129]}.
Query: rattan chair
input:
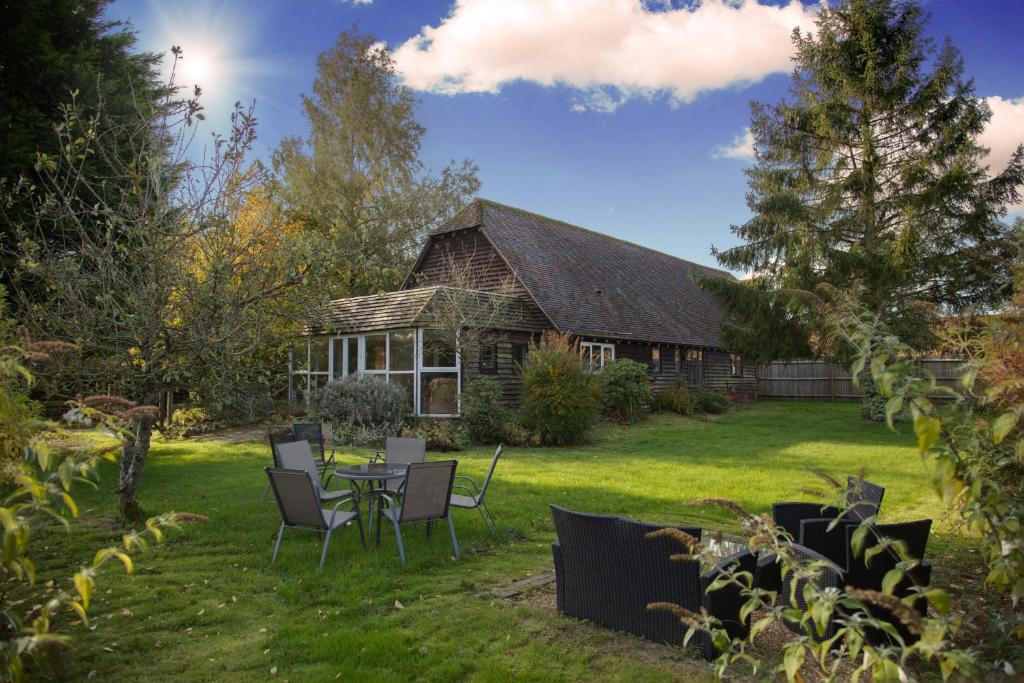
{"type": "Point", "coordinates": [770, 577]}
{"type": "Point", "coordinates": [299, 501]}
{"type": "Point", "coordinates": [313, 432]}
{"type": "Point", "coordinates": [424, 497]}
{"type": "Point", "coordinates": [298, 455]}
{"type": "Point", "coordinates": [863, 500]}
{"type": "Point", "coordinates": [474, 498]}
{"type": "Point", "coordinates": [607, 571]}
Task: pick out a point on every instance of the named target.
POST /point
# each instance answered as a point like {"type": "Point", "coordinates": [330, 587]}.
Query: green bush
{"type": "Point", "coordinates": [560, 397]}
{"type": "Point", "coordinates": [483, 414]}
{"type": "Point", "coordinates": [708, 401]}
{"type": "Point", "coordinates": [625, 390]}
{"type": "Point", "coordinates": [675, 399]}
{"type": "Point", "coordinates": [191, 422]}
{"type": "Point", "coordinates": [518, 435]}
{"type": "Point", "coordinates": [441, 435]}
{"type": "Point", "coordinates": [361, 408]}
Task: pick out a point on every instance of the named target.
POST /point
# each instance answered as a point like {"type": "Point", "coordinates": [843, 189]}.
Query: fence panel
{"type": "Point", "coordinates": [822, 380]}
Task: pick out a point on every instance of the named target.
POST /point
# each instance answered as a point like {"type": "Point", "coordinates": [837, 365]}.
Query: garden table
{"type": "Point", "coordinates": [372, 473]}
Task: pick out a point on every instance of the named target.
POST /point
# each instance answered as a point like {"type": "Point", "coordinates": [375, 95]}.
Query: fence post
{"type": "Point", "coordinates": [832, 382]}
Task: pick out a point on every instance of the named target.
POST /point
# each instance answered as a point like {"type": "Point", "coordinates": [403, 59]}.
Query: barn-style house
{"type": "Point", "coordinates": [524, 274]}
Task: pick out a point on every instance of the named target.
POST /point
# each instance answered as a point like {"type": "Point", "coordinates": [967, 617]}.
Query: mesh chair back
{"type": "Point", "coordinates": [403, 451]}
{"type": "Point", "coordinates": [297, 455]}
{"type": "Point", "coordinates": [487, 479]}
{"type": "Point", "coordinates": [297, 498]}
{"type": "Point", "coordinates": [863, 498]}
{"type": "Point", "coordinates": [279, 434]}
{"type": "Point", "coordinates": [428, 488]}
{"type": "Point", "coordinates": [913, 534]}
{"type": "Point", "coordinates": [313, 432]}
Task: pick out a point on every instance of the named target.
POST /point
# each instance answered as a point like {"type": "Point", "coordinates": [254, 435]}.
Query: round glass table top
{"type": "Point", "coordinates": [376, 471]}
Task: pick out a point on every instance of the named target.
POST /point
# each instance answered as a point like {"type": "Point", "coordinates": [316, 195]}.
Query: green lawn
{"type": "Point", "coordinates": [207, 606]}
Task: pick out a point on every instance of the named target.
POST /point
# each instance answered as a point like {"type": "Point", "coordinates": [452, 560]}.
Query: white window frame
{"type": "Point", "coordinates": [589, 356]}
{"type": "Point", "coordinates": [421, 368]}
{"type": "Point", "coordinates": [417, 365]}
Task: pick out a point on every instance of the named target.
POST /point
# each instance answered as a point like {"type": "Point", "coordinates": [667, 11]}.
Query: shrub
{"type": "Point", "coordinates": [191, 422]}
{"type": "Point", "coordinates": [483, 414]}
{"type": "Point", "coordinates": [518, 435]}
{"type": "Point", "coordinates": [708, 401]}
{"type": "Point", "coordinates": [675, 399]}
{"type": "Point", "coordinates": [560, 397]}
{"type": "Point", "coordinates": [625, 390]}
{"type": "Point", "coordinates": [441, 435]}
{"type": "Point", "coordinates": [361, 408]}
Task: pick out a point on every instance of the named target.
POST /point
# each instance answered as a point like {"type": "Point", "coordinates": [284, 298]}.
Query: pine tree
{"type": "Point", "coordinates": [869, 177]}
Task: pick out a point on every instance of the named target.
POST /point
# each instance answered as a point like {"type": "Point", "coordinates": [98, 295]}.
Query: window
{"type": "Point", "coordinates": [519, 352]}
{"type": "Point", "coordinates": [488, 357]}
{"type": "Point", "coordinates": [596, 355]}
{"type": "Point", "coordinates": [424, 363]}
{"type": "Point", "coordinates": [656, 359]}
{"type": "Point", "coordinates": [677, 358]}
{"type": "Point", "coordinates": [694, 355]}
{"type": "Point", "coordinates": [735, 365]}
{"type": "Point", "coordinates": [439, 373]}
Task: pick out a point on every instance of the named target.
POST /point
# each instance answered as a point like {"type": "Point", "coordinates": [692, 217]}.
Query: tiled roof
{"type": "Point", "coordinates": [410, 308]}
{"type": "Point", "coordinates": [595, 285]}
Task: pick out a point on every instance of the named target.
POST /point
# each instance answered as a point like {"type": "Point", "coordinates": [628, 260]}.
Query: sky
{"type": "Point", "coordinates": [624, 116]}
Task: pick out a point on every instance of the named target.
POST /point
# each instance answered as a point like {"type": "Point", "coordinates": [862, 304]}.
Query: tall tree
{"type": "Point", "coordinates": [869, 177]}
{"type": "Point", "coordinates": [179, 286]}
{"type": "Point", "coordinates": [358, 179]}
{"type": "Point", "coordinates": [48, 50]}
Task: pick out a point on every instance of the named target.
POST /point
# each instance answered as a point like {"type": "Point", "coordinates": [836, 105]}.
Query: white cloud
{"type": "Point", "coordinates": [1003, 134]}
{"type": "Point", "coordinates": [609, 50]}
{"type": "Point", "coordinates": [741, 147]}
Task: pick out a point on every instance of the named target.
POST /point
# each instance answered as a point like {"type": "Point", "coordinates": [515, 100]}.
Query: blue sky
{"type": "Point", "coordinates": [620, 117]}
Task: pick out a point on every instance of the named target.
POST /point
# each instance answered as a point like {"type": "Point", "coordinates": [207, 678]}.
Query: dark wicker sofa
{"type": "Point", "coordinates": [607, 572]}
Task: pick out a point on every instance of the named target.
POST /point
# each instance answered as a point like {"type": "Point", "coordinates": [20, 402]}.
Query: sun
{"type": "Point", "coordinates": [197, 66]}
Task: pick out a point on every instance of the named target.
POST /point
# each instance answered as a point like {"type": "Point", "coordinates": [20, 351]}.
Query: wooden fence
{"type": "Point", "coordinates": [821, 380]}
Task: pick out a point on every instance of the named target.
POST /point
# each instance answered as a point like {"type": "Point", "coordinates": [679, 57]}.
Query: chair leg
{"type": "Point", "coordinates": [455, 541]}
{"type": "Point", "coordinates": [487, 510]}
{"type": "Point", "coordinates": [487, 522]}
{"type": "Point", "coordinates": [430, 527]}
{"type": "Point", "coordinates": [323, 554]}
{"type": "Point", "coordinates": [265, 492]}
{"type": "Point", "coordinates": [376, 514]}
{"type": "Point", "coordinates": [401, 546]}
{"type": "Point", "coordinates": [359, 521]}
{"type": "Point", "coordinates": [277, 545]}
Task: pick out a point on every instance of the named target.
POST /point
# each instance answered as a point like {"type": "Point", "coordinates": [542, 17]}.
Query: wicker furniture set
{"type": "Point", "coordinates": [608, 571]}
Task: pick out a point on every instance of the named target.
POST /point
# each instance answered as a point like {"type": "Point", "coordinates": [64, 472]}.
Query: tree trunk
{"type": "Point", "coordinates": [133, 461]}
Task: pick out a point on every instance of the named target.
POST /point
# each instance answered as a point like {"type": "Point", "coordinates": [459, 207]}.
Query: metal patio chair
{"type": "Point", "coordinates": [402, 450]}
{"type": "Point", "coordinates": [298, 455]}
{"type": "Point", "coordinates": [425, 497]}
{"type": "Point", "coordinates": [301, 508]}
{"type": "Point", "coordinates": [313, 432]}
{"type": "Point", "coordinates": [277, 434]}
{"type": "Point", "coordinates": [474, 498]}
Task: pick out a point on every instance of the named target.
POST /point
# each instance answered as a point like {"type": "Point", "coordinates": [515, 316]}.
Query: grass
{"type": "Point", "coordinates": [207, 606]}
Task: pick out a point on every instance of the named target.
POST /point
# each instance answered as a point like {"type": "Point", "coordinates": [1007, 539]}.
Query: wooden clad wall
{"type": "Point", "coordinates": [821, 380]}
{"type": "Point", "coordinates": [718, 374]}
{"type": "Point", "coordinates": [507, 372]}
{"type": "Point", "coordinates": [479, 262]}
